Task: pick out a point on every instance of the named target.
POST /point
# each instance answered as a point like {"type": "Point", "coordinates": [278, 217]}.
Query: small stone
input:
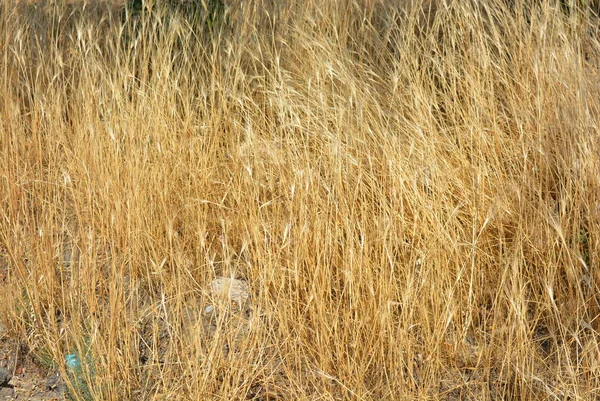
{"type": "Point", "coordinates": [209, 309]}
{"type": "Point", "coordinates": [233, 289]}
{"type": "Point", "coordinates": [5, 377]}
{"type": "Point", "coordinates": [56, 384]}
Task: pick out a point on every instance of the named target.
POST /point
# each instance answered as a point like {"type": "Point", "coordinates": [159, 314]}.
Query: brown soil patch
{"type": "Point", "coordinates": [29, 380]}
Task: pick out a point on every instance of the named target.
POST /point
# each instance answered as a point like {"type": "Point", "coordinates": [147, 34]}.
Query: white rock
{"type": "Point", "coordinates": [233, 289]}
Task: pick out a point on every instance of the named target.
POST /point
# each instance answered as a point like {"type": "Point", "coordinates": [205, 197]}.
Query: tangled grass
{"type": "Point", "coordinates": [410, 191]}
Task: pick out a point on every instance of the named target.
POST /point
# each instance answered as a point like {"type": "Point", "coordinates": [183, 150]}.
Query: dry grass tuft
{"type": "Point", "coordinates": [410, 194]}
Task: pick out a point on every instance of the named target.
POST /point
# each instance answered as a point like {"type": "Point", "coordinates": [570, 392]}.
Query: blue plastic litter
{"type": "Point", "coordinates": [74, 369]}
{"type": "Point", "coordinates": [73, 361]}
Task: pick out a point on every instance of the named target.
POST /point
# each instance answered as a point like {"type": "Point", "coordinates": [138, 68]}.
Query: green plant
{"type": "Point", "coordinates": [584, 247]}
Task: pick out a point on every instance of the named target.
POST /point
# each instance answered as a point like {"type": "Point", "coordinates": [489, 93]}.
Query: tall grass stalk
{"type": "Point", "coordinates": [404, 187]}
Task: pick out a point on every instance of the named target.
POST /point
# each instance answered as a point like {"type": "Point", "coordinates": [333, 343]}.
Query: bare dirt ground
{"type": "Point", "coordinates": [29, 381]}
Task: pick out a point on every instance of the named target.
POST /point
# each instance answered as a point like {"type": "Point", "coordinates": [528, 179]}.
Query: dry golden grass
{"type": "Point", "coordinates": [412, 198]}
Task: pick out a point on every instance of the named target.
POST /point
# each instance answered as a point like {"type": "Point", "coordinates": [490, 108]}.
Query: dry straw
{"type": "Point", "coordinates": [411, 193]}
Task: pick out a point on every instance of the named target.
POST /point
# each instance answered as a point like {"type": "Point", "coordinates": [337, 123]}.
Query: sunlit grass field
{"type": "Point", "coordinates": [410, 192]}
